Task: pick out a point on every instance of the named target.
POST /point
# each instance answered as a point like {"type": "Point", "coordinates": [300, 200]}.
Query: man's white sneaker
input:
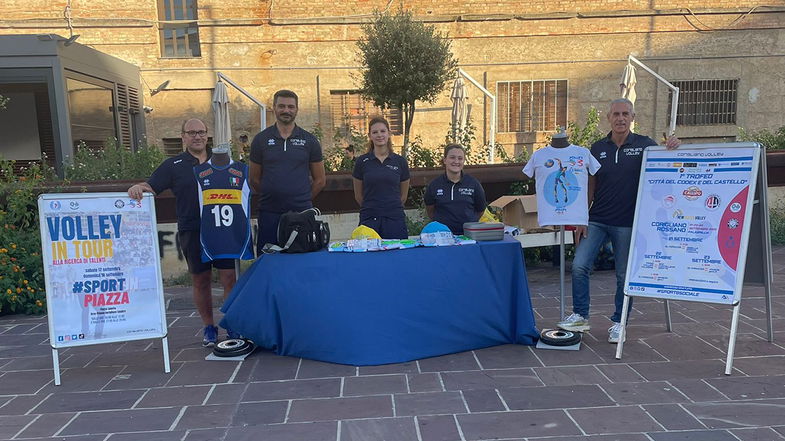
{"type": "Point", "coordinates": [575, 323]}
{"type": "Point", "coordinates": [614, 332]}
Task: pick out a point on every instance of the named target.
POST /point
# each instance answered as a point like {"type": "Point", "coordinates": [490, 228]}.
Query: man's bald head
{"type": "Point", "coordinates": [194, 135]}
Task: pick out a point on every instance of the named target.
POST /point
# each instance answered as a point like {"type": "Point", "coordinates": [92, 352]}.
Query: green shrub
{"type": "Point", "coordinates": [22, 287]}
{"type": "Point", "coordinates": [21, 271]}
{"type": "Point", "coordinates": [415, 222]}
{"type": "Point", "coordinates": [421, 156]}
{"type": "Point", "coordinates": [113, 162]}
{"type": "Point", "coordinates": [522, 187]}
{"type": "Point", "coordinates": [347, 146]}
{"type": "Point", "coordinates": [479, 154]}
{"type": "Point", "coordinates": [465, 137]}
{"type": "Point", "coordinates": [534, 256]}
{"type": "Point", "coordinates": [770, 140]}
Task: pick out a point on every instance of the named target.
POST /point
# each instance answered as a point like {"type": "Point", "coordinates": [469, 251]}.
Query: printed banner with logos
{"type": "Point", "coordinates": [692, 223]}
{"type": "Point", "coordinates": [102, 268]}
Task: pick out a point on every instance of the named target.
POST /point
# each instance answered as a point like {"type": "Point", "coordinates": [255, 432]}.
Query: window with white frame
{"type": "Point", "coordinates": [531, 106]}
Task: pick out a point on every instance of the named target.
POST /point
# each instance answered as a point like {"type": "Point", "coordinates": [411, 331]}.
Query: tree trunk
{"type": "Point", "coordinates": [407, 110]}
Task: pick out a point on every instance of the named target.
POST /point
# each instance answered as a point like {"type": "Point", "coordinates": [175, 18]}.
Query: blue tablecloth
{"type": "Point", "coordinates": [384, 307]}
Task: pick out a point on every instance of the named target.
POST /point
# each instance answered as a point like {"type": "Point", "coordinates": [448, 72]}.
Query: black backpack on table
{"type": "Point", "coordinates": [300, 233]}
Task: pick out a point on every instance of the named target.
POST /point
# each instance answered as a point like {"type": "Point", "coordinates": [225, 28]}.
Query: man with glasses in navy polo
{"type": "Point", "coordinates": [177, 174]}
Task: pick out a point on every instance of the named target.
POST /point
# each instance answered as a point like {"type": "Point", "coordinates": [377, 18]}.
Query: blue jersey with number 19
{"type": "Point", "coordinates": [225, 207]}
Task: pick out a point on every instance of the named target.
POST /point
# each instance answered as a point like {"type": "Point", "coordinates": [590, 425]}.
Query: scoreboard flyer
{"type": "Point", "coordinates": [102, 268]}
{"type": "Point", "coordinates": [692, 223]}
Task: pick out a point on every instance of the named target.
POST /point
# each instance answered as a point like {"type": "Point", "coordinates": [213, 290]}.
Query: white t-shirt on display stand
{"type": "Point", "coordinates": [562, 178]}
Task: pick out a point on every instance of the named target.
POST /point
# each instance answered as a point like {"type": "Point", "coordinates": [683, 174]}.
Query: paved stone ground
{"type": "Point", "coordinates": [667, 387]}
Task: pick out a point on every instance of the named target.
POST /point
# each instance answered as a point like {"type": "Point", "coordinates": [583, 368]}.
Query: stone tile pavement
{"type": "Point", "coordinates": [667, 387]}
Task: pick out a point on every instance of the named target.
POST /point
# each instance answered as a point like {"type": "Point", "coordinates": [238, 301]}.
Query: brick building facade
{"type": "Point", "coordinates": [546, 61]}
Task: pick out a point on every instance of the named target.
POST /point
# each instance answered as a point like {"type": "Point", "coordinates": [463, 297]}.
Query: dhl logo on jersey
{"type": "Point", "coordinates": [217, 196]}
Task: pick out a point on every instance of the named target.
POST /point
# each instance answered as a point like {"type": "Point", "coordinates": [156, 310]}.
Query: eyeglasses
{"type": "Point", "coordinates": [194, 133]}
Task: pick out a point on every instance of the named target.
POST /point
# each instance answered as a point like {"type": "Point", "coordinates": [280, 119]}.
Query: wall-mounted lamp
{"type": "Point", "coordinates": [160, 87]}
{"type": "Point", "coordinates": [70, 40]}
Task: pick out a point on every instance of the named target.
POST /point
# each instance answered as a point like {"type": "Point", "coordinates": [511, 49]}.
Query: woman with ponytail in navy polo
{"type": "Point", "coordinates": [381, 184]}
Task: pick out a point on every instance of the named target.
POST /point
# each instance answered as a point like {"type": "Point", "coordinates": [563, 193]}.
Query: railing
{"type": "Point", "coordinates": [338, 195]}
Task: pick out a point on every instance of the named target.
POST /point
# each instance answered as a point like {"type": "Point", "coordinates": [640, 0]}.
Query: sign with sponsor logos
{"type": "Point", "coordinates": [102, 268]}
{"type": "Point", "coordinates": [692, 222]}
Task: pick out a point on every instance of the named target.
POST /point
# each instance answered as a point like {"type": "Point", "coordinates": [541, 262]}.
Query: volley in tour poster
{"type": "Point", "coordinates": [101, 267]}
{"type": "Point", "coordinates": [691, 216]}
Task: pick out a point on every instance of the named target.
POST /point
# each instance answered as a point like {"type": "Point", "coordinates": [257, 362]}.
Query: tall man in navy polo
{"type": "Point", "coordinates": [177, 174]}
{"type": "Point", "coordinates": [612, 195]}
{"type": "Point", "coordinates": [286, 167]}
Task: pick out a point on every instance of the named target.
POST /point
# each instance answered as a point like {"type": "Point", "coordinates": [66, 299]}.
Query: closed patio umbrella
{"type": "Point", "coordinates": [459, 97]}
{"type": "Point", "coordinates": [627, 85]}
{"type": "Point", "coordinates": [223, 127]}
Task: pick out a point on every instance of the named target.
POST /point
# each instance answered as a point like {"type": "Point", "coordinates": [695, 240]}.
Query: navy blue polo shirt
{"type": "Point", "coordinates": [455, 202]}
{"type": "Point", "coordinates": [177, 174]}
{"type": "Point", "coordinates": [286, 168]}
{"type": "Point", "coordinates": [381, 184]}
{"type": "Point", "coordinates": [616, 185]}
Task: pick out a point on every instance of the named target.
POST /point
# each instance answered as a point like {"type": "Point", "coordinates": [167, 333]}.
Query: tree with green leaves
{"type": "Point", "coordinates": [590, 133]}
{"type": "Point", "coordinates": [403, 61]}
{"type": "Point", "coordinates": [3, 102]}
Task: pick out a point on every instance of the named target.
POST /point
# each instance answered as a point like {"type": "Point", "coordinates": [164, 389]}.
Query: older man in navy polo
{"type": "Point", "coordinates": [612, 195]}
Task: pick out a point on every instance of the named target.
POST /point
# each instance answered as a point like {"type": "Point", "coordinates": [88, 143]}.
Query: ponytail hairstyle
{"type": "Point", "coordinates": [371, 123]}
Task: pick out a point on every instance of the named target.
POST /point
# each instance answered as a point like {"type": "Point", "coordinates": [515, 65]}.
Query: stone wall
{"type": "Point", "coordinates": [310, 47]}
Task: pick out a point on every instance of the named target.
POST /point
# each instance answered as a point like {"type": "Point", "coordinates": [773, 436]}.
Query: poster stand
{"type": "Point", "coordinates": [111, 269]}
{"type": "Point", "coordinates": [749, 268]}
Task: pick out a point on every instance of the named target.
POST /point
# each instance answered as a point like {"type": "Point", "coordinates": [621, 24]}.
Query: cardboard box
{"type": "Point", "coordinates": [518, 211]}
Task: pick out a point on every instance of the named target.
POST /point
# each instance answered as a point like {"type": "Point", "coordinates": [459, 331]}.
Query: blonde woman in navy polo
{"type": "Point", "coordinates": [381, 183]}
{"type": "Point", "coordinates": [454, 197]}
